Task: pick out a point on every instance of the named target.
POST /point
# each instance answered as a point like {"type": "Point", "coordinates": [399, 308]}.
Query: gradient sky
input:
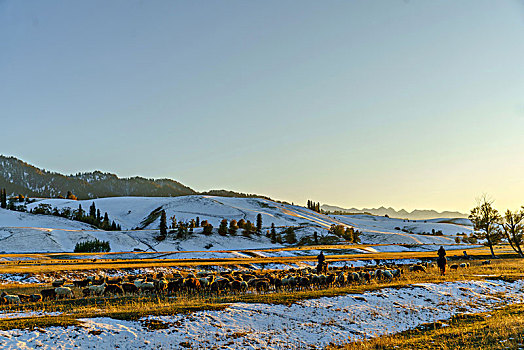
{"type": "Point", "coordinates": [410, 104]}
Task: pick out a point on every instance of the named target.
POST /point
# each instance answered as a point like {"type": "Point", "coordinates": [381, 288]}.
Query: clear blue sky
{"type": "Point", "coordinates": [410, 104]}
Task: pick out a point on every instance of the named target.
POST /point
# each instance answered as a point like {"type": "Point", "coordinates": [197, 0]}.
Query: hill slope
{"type": "Point", "coordinates": [19, 177]}
{"type": "Point", "coordinates": [24, 232]}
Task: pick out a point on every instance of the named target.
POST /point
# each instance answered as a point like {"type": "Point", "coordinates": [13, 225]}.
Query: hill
{"type": "Point", "coordinates": [19, 177]}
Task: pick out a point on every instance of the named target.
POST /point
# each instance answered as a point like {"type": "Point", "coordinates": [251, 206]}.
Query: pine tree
{"type": "Point", "coordinates": [98, 217]}
{"type": "Point", "coordinates": [290, 236]}
{"type": "Point", "coordinates": [222, 229]}
{"type": "Point", "coordinates": [113, 226]}
{"type": "Point", "coordinates": [273, 234]}
{"type": "Point", "coordinates": [259, 223]}
{"type": "Point", "coordinates": [197, 221]}
{"type": "Point", "coordinates": [173, 222]}
{"type": "Point", "coordinates": [79, 213]}
{"type": "Point", "coordinates": [3, 198]}
{"type": "Point", "coordinates": [315, 237]}
{"type": "Point", "coordinates": [105, 224]}
{"type": "Point", "coordinates": [92, 211]}
{"type": "Point", "coordinates": [163, 223]}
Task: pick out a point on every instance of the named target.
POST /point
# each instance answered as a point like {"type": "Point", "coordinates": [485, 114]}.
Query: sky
{"type": "Point", "coordinates": [408, 104]}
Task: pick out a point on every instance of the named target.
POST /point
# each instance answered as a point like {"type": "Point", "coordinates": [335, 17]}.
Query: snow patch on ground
{"type": "Point", "coordinates": [306, 324]}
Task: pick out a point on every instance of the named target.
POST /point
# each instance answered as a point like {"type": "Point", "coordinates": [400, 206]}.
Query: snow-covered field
{"type": "Point", "coordinates": [379, 229]}
{"type": "Point", "coordinates": [306, 324]}
{"type": "Point", "coordinates": [20, 231]}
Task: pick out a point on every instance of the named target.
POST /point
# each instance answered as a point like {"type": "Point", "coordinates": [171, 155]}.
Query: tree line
{"type": "Point", "coordinates": [313, 206]}
{"type": "Point", "coordinates": [94, 217]}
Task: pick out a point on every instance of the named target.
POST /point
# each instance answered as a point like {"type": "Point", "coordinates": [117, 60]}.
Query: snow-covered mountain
{"type": "Point", "coordinates": [417, 214]}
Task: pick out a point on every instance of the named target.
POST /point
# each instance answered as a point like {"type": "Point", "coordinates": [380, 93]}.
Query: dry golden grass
{"type": "Point", "coordinates": [135, 307]}
{"type": "Point", "coordinates": [55, 262]}
{"type": "Point", "coordinates": [499, 329]}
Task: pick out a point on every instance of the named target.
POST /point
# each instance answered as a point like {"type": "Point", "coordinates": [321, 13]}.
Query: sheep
{"type": "Point", "coordinates": [63, 292]}
{"type": "Point", "coordinates": [97, 289]}
{"type": "Point", "coordinates": [36, 297]}
{"type": "Point", "coordinates": [81, 283]}
{"type": "Point", "coordinates": [417, 268]}
{"type": "Point", "coordinates": [58, 283]}
{"type": "Point", "coordinates": [117, 280]}
{"type": "Point", "coordinates": [175, 285]}
{"type": "Point", "coordinates": [386, 274]}
{"type": "Point", "coordinates": [10, 299]}
{"type": "Point", "coordinates": [48, 294]}
{"type": "Point", "coordinates": [464, 265]}
{"type": "Point", "coordinates": [396, 272]}
{"type": "Point", "coordinates": [238, 286]}
{"type": "Point", "coordinates": [454, 267]}
{"type": "Point", "coordinates": [192, 284]}
{"type": "Point", "coordinates": [145, 286]}
{"type": "Point", "coordinates": [129, 288]}
{"type": "Point", "coordinates": [24, 297]}
{"type": "Point", "coordinates": [262, 285]}
{"type": "Point", "coordinates": [160, 285]}
{"type": "Point", "coordinates": [113, 289]}
{"type": "Point", "coordinates": [486, 262]}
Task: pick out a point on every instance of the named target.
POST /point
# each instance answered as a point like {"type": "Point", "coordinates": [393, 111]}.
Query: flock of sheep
{"type": "Point", "coordinates": [217, 282]}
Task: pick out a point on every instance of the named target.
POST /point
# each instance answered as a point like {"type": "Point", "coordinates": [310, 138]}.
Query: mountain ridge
{"type": "Point", "coordinates": [20, 177]}
{"type": "Point", "coordinates": [417, 214]}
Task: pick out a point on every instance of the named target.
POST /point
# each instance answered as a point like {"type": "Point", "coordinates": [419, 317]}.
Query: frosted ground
{"type": "Point", "coordinates": [306, 324]}
{"type": "Point", "coordinates": [18, 231]}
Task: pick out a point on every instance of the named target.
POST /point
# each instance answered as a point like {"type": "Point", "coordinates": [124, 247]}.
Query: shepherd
{"type": "Point", "coordinates": [441, 261]}
{"type": "Point", "coordinates": [322, 266]}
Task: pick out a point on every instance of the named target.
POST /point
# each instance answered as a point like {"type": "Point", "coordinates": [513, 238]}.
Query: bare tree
{"type": "Point", "coordinates": [486, 221]}
{"type": "Point", "coordinates": [513, 226]}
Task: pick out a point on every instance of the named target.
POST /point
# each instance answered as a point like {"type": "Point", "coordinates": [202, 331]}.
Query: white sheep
{"type": "Point", "coordinates": [144, 286]}
{"type": "Point", "coordinates": [10, 299]}
{"type": "Point", "coordinates": [97, 289]}
{"type": "Point", "coordinates": [63, 292]}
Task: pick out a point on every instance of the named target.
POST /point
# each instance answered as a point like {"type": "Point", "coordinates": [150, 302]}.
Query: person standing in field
{"type": "Point", "coordinates": [442, 261]}
{"type": "Point", "coordinates": [321, 261]}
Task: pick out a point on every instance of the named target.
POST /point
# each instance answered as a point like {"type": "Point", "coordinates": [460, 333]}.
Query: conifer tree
{"type": "Point", "coordinates": [79, 214]}
{"type": "Point", "coordinates": [259, 223]}
{"type": "Point", "coordinates": [197, 222]}
{"type": "Point", "coordinates": [173, 222]}
{"type": "Point", "coordinates": [4, 198]}
{"type": "Point", "coordinates": [105, 223]}
{"type": "Point", "coordinates": [273, 234]}
{"type": "Point", "coordinates": [290, 236]}
{"type": "Point", "coordinates": [92, 211]}
{"type": "Point", "coordinates": [98, 217]}
{"type": "Point", "coordinates": [163, 223]}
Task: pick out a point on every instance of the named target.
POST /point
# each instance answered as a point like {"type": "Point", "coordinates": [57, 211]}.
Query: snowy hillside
{"type": "Point", "coordinates": [9, 218]}
{"type": "Point", "coordinates": [25, 232]}
{"type": "Point", "coordinates": [130, 212]}
{"type": "Point", "coordinates": [379, 229]}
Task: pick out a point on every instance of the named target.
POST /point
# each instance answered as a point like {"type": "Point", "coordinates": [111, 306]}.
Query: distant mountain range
{"type": "Point", "coordinates": [19, 177]}
{"type": "Point", "coordinates": [402, 214]}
